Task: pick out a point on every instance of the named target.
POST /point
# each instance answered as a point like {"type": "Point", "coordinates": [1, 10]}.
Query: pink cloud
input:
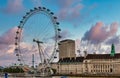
{"type": "Point", "coordinates": [69, 9]}
{"type": "Point", "coordinates": [14, 6]}
{"type": "Point", "coordinates": [114, 28]}
{"type": "Point", "coordinates": [7, 59]}
{"type": "Point", "coordinates": [8, 37]}
{"type": "Point", "coordinates": [66, 3]}
{"type": "Point", "coordinates": [7, 46]}
{"type": "Point", "coordinates": [99, 32]}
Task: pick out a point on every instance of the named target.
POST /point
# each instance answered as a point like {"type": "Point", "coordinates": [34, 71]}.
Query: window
{"type": "Point", "coordinates": [111, 70]}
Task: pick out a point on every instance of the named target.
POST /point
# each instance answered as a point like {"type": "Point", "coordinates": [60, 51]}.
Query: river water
{"type": "Point", "coordinates": [59, 77]}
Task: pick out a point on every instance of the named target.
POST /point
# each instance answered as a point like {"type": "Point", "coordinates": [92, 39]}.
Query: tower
{"type": "Point", "coordinates": [112, 50]}
{"type": "Point", "coordinates": [67, 48]}
{"type": "Point", "coordinates": [33, 61]}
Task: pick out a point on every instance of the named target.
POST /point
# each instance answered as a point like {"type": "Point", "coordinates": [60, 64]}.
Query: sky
{"type": "Point", "coordinates": [93, 24]}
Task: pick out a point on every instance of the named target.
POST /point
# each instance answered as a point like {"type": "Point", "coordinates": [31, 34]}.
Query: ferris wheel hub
{"type": "Point", "coordinates": [36, 40]}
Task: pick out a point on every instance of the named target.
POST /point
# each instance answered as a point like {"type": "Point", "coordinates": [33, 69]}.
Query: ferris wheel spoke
{"type": "Point", "coordinates": [44, 31]}
{"type": "Point", "coordinates": [46, 28]}
{"type": "Point", "coordinates": [45, 52]}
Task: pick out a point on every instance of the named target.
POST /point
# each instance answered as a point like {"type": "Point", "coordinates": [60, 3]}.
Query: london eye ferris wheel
{"type": "Point", "coordinates": [38, 33]}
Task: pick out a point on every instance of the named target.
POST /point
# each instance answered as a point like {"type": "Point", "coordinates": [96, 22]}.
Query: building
{"type": "Point", "coordinates": [70, 65]}
{"type": "Point", "coordinates": [100, 64]}
{"type": "Point", "coordinates": [67, 48]}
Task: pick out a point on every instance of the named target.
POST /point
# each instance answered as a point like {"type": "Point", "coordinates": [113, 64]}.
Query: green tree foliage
{"type": "Point", "coordinates": [13, 70]}
{"type": "Point", "coordinates": [0, 70]}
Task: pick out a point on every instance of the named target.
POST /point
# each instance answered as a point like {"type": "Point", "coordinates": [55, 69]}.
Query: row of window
{"type": "Point", "coordinates": [99, 71]}
{"type": "Point", "coordinates": [102, 66]}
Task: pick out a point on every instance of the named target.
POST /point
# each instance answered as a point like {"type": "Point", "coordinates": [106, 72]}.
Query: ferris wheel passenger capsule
{"type": "Point", "coordinates": [19, 27]}
{"type": "Point", "coordinates": [48, 10]}
{"type": "Point", "coordinates": [59, 36]}
{"type": "Point", "coordinates": [31, 10]}
{"type": "Point", "coordinates": [39, 7]}
{"type": "Point", "coordinates": [19, 60]}
{"type": "Point", "coordinates": [44, 8]}
{"type": "Point", "coordinates": [17, 54]}
{"type": "Point", "coordinates": [16, 37]}
{"type": "Point", "coordinates": [52, 13]}
{"type": "Point", "coordinates": [16, 44]}
{"type": "Point", "coordinates": [17, 32]}
{"type": "Point", "coordinates": [55, 17]}
{"type": "Point", "coordinates": [59, 29]}
{"type": "Point", "coordinates": [24, 16]}
{"type": "Point", "coordinates": [21, 21]}
{"type": "Point", "coordinates": [57, 23]}
{"type": "Point", "coordinates": [16, 49]}
{"type": "Point", "coordinates": [27, 13]}
{"type": "Point", "coordinates": [57, 50]}
{"type": "Point", "coordinates": [35, 8]}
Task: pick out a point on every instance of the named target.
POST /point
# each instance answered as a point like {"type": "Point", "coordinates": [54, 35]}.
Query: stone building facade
{"type": "Point", "coordinates": [89, 64]}
{"type": "Point", "coordinates": [101, 64]}
{"type": "Point", "coordinates": [92, 64]}
{"type": "Point", "coordinates": [70, 65]}
{"type": "Point", "coordinates": [67, 48]}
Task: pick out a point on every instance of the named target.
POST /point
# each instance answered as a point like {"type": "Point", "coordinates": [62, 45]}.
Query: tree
{"type": "Point", "coordinates": [13, 70]}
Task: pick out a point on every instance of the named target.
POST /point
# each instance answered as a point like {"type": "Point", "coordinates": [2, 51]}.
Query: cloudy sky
{"type": "Point", "coordinates": [89, 22]}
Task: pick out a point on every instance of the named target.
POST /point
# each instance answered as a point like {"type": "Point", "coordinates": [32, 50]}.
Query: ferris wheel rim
{"type": "Point", "coordinates": [25, 19]}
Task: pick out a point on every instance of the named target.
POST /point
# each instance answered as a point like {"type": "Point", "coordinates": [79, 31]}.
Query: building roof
{"type": "Point", "coordinates": [71, 60]}
{"type": "Point", "coordinates": [102, 56]}
{"type": "Point", "coordinates": [67, 40]}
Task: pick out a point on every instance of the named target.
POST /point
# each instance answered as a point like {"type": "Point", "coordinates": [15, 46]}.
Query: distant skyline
{"type": "Point", "coordinates": [94, 22]}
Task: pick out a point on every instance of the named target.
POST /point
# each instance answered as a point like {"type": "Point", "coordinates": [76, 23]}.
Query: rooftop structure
{"type": "Point", "coordinates": [67, 48]}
